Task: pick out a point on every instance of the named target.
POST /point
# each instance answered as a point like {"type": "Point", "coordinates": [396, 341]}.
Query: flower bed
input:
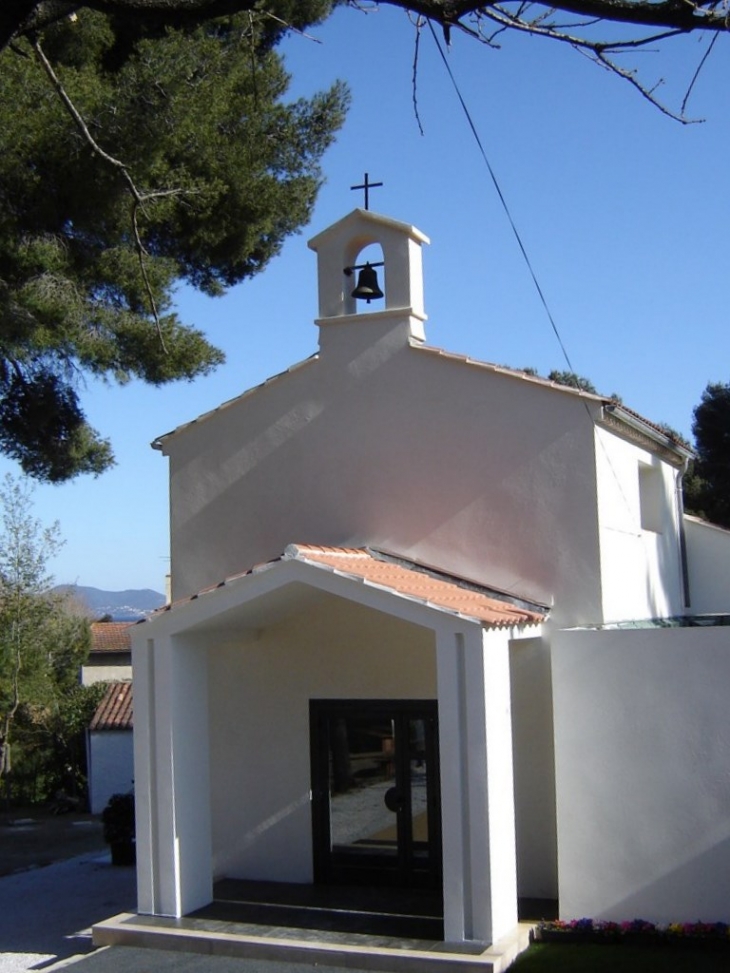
{"type": "Point", "coordinates": [636, 932]}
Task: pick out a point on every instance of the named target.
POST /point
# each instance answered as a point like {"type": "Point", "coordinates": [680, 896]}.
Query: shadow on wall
{"type": "Point", "coordinates": [663, 573]}
{"type": "Point", "coordinates": [696, 890]}
{"type": "Point", "coordinates": [388, 458]}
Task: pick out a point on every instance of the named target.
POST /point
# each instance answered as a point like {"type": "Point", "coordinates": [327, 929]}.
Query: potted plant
{"type": "Point", "coordinates": [119, 830]}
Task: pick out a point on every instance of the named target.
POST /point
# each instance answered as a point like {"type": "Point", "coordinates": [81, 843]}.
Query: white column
{"type": "Point", "coordinates": [191, 775]}
{"type": "Point", "coordinates": [500, 776]}
{"type": "Point", "coordinates": [153, 784]}
{"type": "Point", "coordinates": [174, 861]}
{"type": "Point", "coordinates": [145, 775]}
{"type": "Point", "coordinates": [477, 802]}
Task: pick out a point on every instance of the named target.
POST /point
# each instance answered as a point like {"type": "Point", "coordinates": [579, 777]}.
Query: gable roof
{"type": "Point", "coordinates": [115, 711]}
{"type": "Point", "coordinates": [358, 217]}
{"type": "Point", "coordinates": [111, 636]}
{"type": "Point", "coordinates": [615, 414]}
{"type": "Point", "coordinates": [400, 577]}
{"type": "Point", "coordinates": [159, 441]}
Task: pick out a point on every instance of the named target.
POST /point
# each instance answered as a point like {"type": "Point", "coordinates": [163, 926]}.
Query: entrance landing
{"type": "Point", "coordinates": [369, 929]}
{"type": "Point", "coordinates": [409, 914]}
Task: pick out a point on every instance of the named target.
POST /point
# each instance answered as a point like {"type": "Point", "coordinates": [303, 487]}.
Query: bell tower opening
{"type": "Point", "coordinates": [368, 277]}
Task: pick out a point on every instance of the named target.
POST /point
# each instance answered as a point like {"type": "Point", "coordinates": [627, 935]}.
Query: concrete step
{"type": "Point", "coordinates": [353, 951]}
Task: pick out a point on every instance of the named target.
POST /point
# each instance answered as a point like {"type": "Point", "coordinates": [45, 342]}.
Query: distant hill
{"type": "Point", "coordinates": [123, 606]}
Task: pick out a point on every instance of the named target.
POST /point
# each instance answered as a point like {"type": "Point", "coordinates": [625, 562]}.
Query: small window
{"type": "Point", "coordinates": [651, 498]}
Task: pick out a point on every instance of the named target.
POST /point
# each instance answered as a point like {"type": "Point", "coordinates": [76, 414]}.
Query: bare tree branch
{"type": "Point", "coordinates": [602, 52]}
{"type": "Point", "coordinates": [681, 14]}
{"type": "Point", "coordinates": [418, 26]}
{"type": "Point", "coordinates": [19, 17]}
{"type": "Point", "coordinates": [653, 21]}
{"type": "Point", "coordinates": [697, 73]}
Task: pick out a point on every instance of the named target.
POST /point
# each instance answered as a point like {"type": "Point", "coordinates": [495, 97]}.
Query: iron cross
{"type": "Point", "coordinates": [367, 186]}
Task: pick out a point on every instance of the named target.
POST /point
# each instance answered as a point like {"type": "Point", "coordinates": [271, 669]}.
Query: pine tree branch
{"type": "Point", "coordinates": [138, 198]}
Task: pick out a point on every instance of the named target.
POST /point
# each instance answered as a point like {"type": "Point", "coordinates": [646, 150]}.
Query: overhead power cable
{"type": "Point", "coordinates": [502, 200]}
{"type": "Point", "coordinates": [524, 253]}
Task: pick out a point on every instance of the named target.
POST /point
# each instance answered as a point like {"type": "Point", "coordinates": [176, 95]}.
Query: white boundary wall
{"type": "Point", "coordinates": [111, 770]}
{"type": "Point", "coordinates": [708, 558]}
{"type": "Point", "coordinates": [642, 754]}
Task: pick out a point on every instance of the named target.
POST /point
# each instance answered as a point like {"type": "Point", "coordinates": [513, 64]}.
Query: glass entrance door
{"type": "Point", "coordinates": [375, 792]}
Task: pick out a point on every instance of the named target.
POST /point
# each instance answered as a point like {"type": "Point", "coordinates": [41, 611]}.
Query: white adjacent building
{"type": "Point", "coordinates": [433, 622]}
{"type": "Point", "coordinates": [109, 741]}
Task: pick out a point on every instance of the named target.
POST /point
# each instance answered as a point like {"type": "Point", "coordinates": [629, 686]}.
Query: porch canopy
{"type": "Point", "coordinates": [223, 681]}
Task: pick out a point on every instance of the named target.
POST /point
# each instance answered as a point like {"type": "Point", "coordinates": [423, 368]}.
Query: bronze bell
{"type": "Point", "coordinates": [367, 288]}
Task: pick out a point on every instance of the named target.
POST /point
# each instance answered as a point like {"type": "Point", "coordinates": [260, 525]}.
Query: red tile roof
{"type": "Point", "coordinates": [415, 581]}
{"type": "Point", "coordinates": [404, 578]}
{"type": "Point", "coordinates": [111, 636]}
{"type": "Point", "coordinates": [115, 711]}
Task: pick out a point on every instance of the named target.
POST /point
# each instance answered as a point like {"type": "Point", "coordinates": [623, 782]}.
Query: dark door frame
{"type": "Point", "coordinates": [405, 869]}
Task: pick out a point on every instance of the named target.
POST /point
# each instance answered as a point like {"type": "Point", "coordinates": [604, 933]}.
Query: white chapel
{"type": "Point", "coordinates": [434, 624]}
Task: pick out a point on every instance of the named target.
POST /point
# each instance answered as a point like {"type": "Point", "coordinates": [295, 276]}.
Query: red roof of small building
{"type": "Point", "coordinates": [111, 636]}
{"type": "Point", "coordinates": [115, 711]}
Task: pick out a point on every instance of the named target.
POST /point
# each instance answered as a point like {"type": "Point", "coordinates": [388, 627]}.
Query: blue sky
{"type": "Point", "coordinates": [623, 212]}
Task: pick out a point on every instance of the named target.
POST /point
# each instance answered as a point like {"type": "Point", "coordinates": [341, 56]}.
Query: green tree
{"type": "Point", "coordinates": [707, 488]}
{"type": "Point", "coordinates": [573, 380]}
{"type": "Point", "coordinates": [42, 642]}
{"type": "Point", "coordinates": [134, 155]}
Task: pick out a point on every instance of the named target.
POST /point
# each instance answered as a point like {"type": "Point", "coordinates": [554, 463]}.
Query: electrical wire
{"type": "Point", "coordinates": [502, 200]}
{"type": "Point", "coordinates": [526, 258]}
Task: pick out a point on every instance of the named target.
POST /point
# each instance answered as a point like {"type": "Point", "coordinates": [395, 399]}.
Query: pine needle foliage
{"type": "Point", "coordinates": [194, 121]}
{"type": "Point", "coordinates": [707, 486]}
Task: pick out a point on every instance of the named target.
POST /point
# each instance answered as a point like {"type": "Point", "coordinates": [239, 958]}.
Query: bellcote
{"type": "Point", "coordinates": [401, 276]}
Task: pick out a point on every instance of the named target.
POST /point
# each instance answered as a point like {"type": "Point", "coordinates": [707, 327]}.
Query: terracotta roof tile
{"type": "Point", "coordinates": [111, 636]}
{"type": "Point", "coordinates": [404, 578]}
{"type": "Point", "coordinates": [415, 581]}
{"type": "Point", "coordinates": [115, 711]}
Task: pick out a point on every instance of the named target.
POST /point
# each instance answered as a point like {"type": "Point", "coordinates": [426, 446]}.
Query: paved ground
{"type": "Point", "coordinates": [31, 837]}
{"type": "Point", "coordinates": [46, 913]}
{"type": "Point", "coordinates": [46, 916]}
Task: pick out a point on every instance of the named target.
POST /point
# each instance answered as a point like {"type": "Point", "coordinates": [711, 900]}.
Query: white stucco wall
{"type": "Point", "coordinates": [640, 553]}
{"type": "Point", "coordinates": [111, 766]}
{"type": "Point", "coordinates": [642, 737]}
{"type": "Point", "coordinates": [708, 561]}
{"type": "Point", "coordinates": [534, 769]}
{"type": "Point", "coordinates": [91, 674]}
{"type": "Point", "coordinates": [260, 689]}
{"type": "Point", "coordinates": [400, 448]}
